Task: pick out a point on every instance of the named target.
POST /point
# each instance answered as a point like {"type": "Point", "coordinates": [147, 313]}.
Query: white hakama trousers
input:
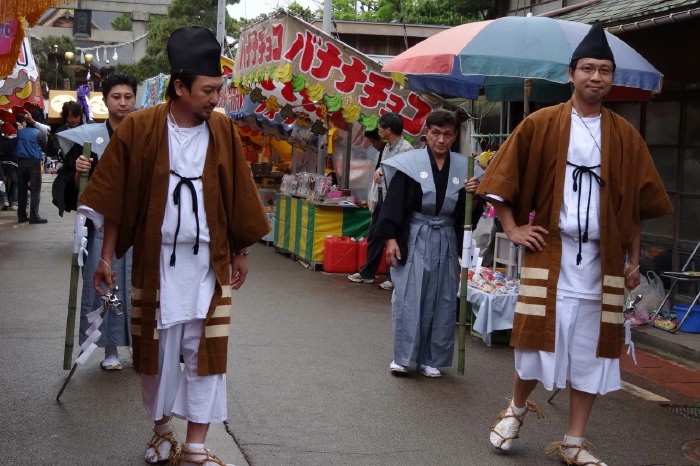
{"type": "Point", "coordinates": [178, 391]}
{"type": "Point", "coordinates": [574, 358]}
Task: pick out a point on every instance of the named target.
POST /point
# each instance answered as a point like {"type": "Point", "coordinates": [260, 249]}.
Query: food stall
{"type": "Point", "coordinates": [295, 83]}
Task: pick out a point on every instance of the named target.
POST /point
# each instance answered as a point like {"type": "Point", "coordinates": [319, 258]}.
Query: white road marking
{"type": "Point", "coordinates": [644, 394]}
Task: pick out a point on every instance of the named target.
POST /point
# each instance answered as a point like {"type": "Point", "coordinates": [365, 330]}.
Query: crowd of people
{"type": "Point", "coordinates": [171, 183]}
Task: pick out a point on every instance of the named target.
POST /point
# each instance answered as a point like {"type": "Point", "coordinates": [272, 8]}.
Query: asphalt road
{"type": "Point", "coordinates": [308, 380]}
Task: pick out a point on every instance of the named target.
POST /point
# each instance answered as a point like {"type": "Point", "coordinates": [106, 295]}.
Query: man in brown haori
{"type": "Point", "coordinates": [174, 184]}
{"type": "Point", "coordinates": [588, 175]}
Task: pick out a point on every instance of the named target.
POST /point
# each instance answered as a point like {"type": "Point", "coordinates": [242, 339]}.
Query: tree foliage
{"type": "Point", "coordinates": [122, 22]}
{"type": "Point", "coordinates": [444, 12]}
{"type": "Point", "coordinates": [302, 12]}
{"type": "Point", "coordinates": [181, 13]}
{"type": "Point", "coordinates": [51, 69]}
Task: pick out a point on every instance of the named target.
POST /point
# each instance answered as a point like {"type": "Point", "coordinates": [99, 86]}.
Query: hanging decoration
{"type": "Point", "coordinates": [115, 57]}
{"type": "Point", "coordinates": [22, 86]}
{"type": "Point", "coordinates": [11, 36]}
{"type": "Point", "coordinates": [13, 14]}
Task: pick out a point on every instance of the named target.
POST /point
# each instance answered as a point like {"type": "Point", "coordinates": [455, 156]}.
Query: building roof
{"type": "Point", "coordinates": [621, 11]}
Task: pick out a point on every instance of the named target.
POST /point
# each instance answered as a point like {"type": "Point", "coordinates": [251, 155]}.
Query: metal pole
{"type": "Point", "coordinates": [221, 21]}
{"type": "Point", "coordinates": [327, 15]}
{"type": "Point", "coordinates": [74, 276]}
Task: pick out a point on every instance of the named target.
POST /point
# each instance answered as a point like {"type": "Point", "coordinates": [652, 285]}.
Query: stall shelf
{"type": "Point", "coordinates": [301, 226]}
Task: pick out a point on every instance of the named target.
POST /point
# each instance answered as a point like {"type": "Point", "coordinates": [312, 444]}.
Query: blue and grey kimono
{"type": "Point", "coordinates": [423, 211]}
{"type": "Point", "coordinates": [114, 328]}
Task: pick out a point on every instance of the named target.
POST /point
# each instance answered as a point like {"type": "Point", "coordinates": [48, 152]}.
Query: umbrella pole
{"type": "Point", "coordinates": [73, 289]}
{"type": "Point", "coordinates": [465, 307]}
{"type": "Point", "coordinates": [527, 90]}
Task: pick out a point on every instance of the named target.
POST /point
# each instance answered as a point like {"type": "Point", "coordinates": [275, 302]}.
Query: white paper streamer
{"type": "Point", "coordinates": [93, 334]}
{"type": "Point", "coordinates": [629, 342]}
{"type": "Point", "coordinates": [79, 232]}
{"type": "Point", "coordinates": [470, 252]}
{"type": "Point", "coordinates": [83, 252]}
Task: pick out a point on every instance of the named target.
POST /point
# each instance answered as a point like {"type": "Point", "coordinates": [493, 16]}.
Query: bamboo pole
{"type": "Point", "coordinates": [465, 307]}
{"type": "Point", "coordinates": [74, 276]}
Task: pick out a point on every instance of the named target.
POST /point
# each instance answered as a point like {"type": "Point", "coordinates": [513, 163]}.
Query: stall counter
{"type": "Point", "coordinates": [301, 226]}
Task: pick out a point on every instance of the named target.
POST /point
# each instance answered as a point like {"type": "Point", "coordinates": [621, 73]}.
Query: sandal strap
{"type": "Point", "coordinates": [157, 440]}
{"type": "Point", "coordinates": [559, 448]}
{"type": "Point", "coordinates": [208, 457]}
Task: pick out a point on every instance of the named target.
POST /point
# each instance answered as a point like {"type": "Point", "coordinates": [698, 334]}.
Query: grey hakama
{"type": "Point", "coordinates": [425, 287]}
{"type": "Point", "coordinates": [115, 328]}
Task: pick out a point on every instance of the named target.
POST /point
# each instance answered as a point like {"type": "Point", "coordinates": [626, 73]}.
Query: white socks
{"type": "Point", "coordinates": [195, 454]}
{"type": "Point", "coordinates": [507, 428]}
{"type": "Point", "coordinates": [579, 455]}
{"type": "Point", "coordinates": [573, 440]}
{"type": "Point", "coordinates": [518, 411]}
{"type": "Point", "coordinates": [160, 446]}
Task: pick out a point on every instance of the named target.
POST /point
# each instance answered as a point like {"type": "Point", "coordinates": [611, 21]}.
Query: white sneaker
{"type": "Point", "coordinates": [111, 361]}
{"type": "Point", "coordinates": [397, 369]}
{"type": "Point", "coordinates": [357, 278]}
{"type": "Point", "coordinates": [429, 371]}
{"type": "Point", "coordinates": [387, 285]}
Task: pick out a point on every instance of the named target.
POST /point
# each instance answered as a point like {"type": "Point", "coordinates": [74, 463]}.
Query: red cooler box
{"type": "Point", "coordinates": [340, 254]}
{"type": "Point", "coordinates": [383, 268]}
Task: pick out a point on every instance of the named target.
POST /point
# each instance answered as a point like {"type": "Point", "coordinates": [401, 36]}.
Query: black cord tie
{"type": "Point", "coordinates": [176, 199]}
{"type": "Point", "coordinates": [579, 171]}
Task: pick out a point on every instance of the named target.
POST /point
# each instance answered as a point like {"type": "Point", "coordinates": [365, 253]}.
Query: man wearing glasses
{"type": "Point", "coordinates": [591, 180]}
{"type": "Point", "coordinates": [421, 221]}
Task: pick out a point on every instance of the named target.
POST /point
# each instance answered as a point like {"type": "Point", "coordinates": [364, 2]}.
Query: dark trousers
{"type": "Point", "coordinates": [10, 182]}
{"type": "Point", "coordinates": [28, 177]}
{"type": "Point", "coordinates": [375, 245]}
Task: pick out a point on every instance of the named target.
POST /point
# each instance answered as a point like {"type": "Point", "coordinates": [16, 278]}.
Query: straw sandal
{"type": "Point", "coordinates": [577, 455]}
{"type": "Point", "coordinates": [199, 458]}
{"type": "Point", "coordinates": [159, 440]}
{"type": "Point", "coordinates": [504, 431]}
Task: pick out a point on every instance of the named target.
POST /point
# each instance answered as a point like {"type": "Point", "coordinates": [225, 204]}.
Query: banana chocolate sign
{"type": "Point", "coordinates": [296, 74]}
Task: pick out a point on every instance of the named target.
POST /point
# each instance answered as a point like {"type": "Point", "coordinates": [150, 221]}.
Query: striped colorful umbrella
{"type": "Point", "coordinates": [496, 57]}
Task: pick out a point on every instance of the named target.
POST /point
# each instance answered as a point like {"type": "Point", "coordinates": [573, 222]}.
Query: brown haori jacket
{"type": "Point", "coordinates": [130, 187]}
{"type": "Point", "coordinates": [529, 172]}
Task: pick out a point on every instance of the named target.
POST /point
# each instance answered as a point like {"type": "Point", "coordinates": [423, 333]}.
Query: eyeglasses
{"type": "Point", "coordinates": [590, 69]}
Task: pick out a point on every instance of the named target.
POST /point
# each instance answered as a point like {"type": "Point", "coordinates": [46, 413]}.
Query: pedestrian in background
{"type": "Point", "coordinates": [119, 95]}
{"type": "Point", "coordinates": [31, 141]}
{"type": "Point", "coordinates": [389, 129]}
{"type": "Point", "coordinates": [591, 180]}
{"type": "Point", "coordinates": [8, 159]}
{"type": "Point", "coordinates": [422, 223]}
